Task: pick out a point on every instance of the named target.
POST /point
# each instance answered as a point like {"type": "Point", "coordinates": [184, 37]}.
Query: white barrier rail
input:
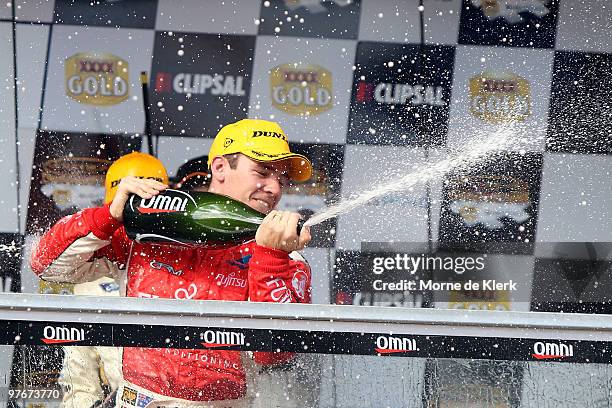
{"type": "Point", "coordinates": [334, 329]}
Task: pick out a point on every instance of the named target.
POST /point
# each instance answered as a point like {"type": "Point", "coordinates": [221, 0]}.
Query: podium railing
{"type": "Point", "coordinates": [329, 329]}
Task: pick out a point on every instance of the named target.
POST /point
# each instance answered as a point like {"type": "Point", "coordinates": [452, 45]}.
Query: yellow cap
{"type": "Point", "coordinates": [135, 164]}
{"type": "Point", "coordinates": [261, 141]}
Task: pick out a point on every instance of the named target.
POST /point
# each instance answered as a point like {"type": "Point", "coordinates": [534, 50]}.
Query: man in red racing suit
{"type": "Point", "coordinates": [93, 243]}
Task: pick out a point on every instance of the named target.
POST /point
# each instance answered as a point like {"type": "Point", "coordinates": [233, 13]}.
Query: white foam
{"type": "Point", "coordinates": [481, 149]}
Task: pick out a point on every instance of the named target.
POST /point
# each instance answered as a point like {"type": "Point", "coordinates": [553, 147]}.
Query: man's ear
{"type": "Point", "coordinates": [218, 167]}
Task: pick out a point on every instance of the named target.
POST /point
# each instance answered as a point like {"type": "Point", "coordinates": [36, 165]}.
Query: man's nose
{"type": "Point", "coordinates": [273, 185]}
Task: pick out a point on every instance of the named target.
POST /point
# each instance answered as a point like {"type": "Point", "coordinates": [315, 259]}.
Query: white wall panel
{"type": "Point", "coordinates": [60, 112]}
{"type": "Point", "coordinates": [231, 17]}
{"type": "Point", "coordinates": [495, 88]}
{"type": "Point", "coordinates": [585, 26]}
{"type": "Point", "coordinates": [575, 199]}
{"type": "Point", "coordinates": [8, 181]}
{"type": "Point", "coordinates": [27, 139]}
{"type": "Point", "coordinates": [38, 11]}
{"type": "Point", "coordinates": [398, 21]}
{"type": "Point", "coordinates": [31, 57]}
{"type": "Point", "coordinates": [312, 56]}
{"type": "Point", "coordinates": [398, 216]}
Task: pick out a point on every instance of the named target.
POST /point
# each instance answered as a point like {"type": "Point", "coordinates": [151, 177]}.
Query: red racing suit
{"type": "Point", "coordinates": [89, 244]}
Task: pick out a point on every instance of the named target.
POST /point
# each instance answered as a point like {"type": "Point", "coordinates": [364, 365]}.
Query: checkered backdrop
{"type": "Point", "coordinates": [353, 87]}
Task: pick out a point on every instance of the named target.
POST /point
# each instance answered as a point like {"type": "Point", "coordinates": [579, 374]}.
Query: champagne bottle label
{"type": "Point", "coordinates": [162, 203]}
{"type": "Point", "coordinates": [181, 218]}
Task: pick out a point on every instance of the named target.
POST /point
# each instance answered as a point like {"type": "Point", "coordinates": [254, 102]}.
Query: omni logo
{"type": "Point", "coordinates": [171, 201]}
{"type": "Point", "coordinates": [390, 345]}
{"type": "Point", "coordinates": [543, 351]}
{"type": "Point", "coordinates": [56, 335]}
{"type": "Point", "coordinates": [162, 204]}
{"type": "Point", "coordinates": [214, 339]}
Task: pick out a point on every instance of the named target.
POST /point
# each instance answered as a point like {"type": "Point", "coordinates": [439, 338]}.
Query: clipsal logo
{"type": "Point", "coordinates": [97, 78]}
{"type": "Point", "coordinates": [55, 335]}
{"type": "Point", "coordinates": [390, 345]}
{"type": "Point", "coordinates": [400, 94]}
{"type": "Point", "coordinates": [391, 299]}
{"type": "Point", "coordinates": [200, 84]}
{"type": "Point", "coordinates": [301, 89]}
{"type": "Point", "coordinates": [164, 203]}
{"type": "Point", "coordinates": [213, 339]}
{"type": "Point", "coordinates": [543, 351]}
{"type": "Point", "coordinates": [489, 199]}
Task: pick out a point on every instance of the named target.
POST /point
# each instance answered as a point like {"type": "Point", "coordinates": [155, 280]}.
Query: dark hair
{"type": "Point", "coordinates": [232, 160]}
{"type": "Point", "coordinates": [192, 174]}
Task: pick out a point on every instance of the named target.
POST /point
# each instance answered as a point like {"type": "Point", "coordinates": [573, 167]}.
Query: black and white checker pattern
{"type": "Point", "coordinates": [550, 61]}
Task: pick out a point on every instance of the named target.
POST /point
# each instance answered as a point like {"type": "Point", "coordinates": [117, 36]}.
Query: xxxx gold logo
{"type": "Point", "coordinates": [479, 299]}
{"type": "Point", "coordinates": [492, 188]}
{"type": "Point", "coordinates": [74, 170]}
{"type": "Point", "coordinates": [488, 200]}
{"type": "Point", "coordinates": [500, 98]}
{"type": "Point", "coordinates": [301, 89]}
{"type": "Point", "coordinates": [511, 10]}
{"type": "Point", "coordinates": [97, 79]}
{"type": "Point", "coordinates": [73, 181]}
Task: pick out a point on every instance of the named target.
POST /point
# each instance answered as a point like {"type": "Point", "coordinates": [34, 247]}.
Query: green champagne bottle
{"type": "Point", "coordinates": [188, 218]}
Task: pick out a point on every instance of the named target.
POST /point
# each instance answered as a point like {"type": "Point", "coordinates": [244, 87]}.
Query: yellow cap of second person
{"type": "Point", "coordinates": [260, 140]}
{"type": "Point", "coordinates": [135, 164]}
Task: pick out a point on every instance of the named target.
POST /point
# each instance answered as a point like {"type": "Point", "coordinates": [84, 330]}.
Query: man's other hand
{"type": "Point", "coordinates": [279, 230]}
{"type": "Point", "coordinates": [144, 188]}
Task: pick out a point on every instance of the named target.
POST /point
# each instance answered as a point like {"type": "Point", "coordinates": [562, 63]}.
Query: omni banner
{"type": "Point", "coordinates": [185, 339]}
